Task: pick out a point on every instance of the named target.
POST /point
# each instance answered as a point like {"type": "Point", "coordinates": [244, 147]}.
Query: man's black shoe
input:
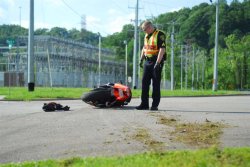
{"type": "Point", "coordinates": [154, 108]}
{"type": "Point", "coordinates": [140, 107]}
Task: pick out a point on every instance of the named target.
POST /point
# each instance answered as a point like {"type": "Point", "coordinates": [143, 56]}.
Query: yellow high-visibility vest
{"type": "Point", "coordinates": [150, 45]}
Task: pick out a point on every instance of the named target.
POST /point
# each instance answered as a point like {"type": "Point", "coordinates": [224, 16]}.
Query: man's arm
{"type": "Point", "coordinates": [142, 58]}
{"type": "Point", "coordinates": [142, 55]}
{"type": "Point", "coordinates": [160, 55]}
{"type": "Point", "coordinates": [162, 45]}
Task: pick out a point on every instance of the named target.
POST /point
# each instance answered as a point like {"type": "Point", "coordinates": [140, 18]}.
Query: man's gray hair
{"type": "Point", "coordinates": [146, 24]}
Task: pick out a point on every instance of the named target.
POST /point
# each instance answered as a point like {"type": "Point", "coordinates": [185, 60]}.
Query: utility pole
{"type": "Point", "coordinates": [126, 62]}
{"type": "Point", "coordinates": [215, 78]}
{"type": "Point", "coordinates": [172, 58]}
{"type": "Point", "coordinates": [197, 76]}
{"type": "Point", "coordinates": [181, 64]}
{"type": "Point", "coordinates": [99, 67]}
{"type": "Point", "coordinates": [31, 76]}
{"type": "Point", "coordinates": [193, 69]}
{"type": "Point", "coordinates": [139, 57]}
{"type": "Point", "coordinates": [135, 74]}
{"type": "Point", "coordinates": [186, 67]}
{"type": "Point", "coordinates": [20, 16]}
{"type": "Point", "coordinates": [50, 76]}
{"type": "Point", "coordinates": [203, 70]}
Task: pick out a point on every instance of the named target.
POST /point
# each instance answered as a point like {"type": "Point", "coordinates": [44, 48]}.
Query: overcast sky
{"type": "Point", "coordinates": [104, 16]}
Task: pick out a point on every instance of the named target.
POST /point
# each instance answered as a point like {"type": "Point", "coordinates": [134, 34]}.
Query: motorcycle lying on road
{"type": "Point", "coordinates": [108, 95]}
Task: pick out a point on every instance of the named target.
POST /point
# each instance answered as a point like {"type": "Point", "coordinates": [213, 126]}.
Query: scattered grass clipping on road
{"type": "Point", "coordinates": [142, 135]}
{"type": "Point", "coordinates": [200, 135]}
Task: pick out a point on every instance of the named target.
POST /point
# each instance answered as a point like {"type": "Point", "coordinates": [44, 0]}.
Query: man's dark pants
{"type": "Point", "coordinates": [155, 74]}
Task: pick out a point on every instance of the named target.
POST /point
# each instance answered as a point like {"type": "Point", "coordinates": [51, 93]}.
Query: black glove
{"type": "Point", "coordinates": [157, 66]}
{"type": "Point", "coordinates": [156, 69]}
{"type": "Point", "coordinates": [141, 63]}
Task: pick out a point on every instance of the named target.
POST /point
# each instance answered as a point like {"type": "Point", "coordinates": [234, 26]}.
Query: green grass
{"type": "Point", "coordinates": [22, 93]}
{"type": "Point", "coordinates": [198, 92]}
{"type": "Point", "coordinates": [212, 157]}
{"type": "Point", "coordinates": [179, 93]}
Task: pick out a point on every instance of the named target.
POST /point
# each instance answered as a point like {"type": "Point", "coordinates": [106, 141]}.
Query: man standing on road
{"type": "Point", "coordinates": [154, 53]}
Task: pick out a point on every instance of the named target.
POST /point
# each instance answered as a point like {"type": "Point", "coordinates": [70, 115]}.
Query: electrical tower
{"type": "Point", "coordinates": [83, 22]}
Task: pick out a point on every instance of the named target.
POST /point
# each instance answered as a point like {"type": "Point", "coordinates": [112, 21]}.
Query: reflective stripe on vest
{"type": "Point", "coordinates": [150, 45]}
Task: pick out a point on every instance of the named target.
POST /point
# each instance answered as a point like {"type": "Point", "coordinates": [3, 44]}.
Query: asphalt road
{"type": "Point", "coordinates": [29, 133]}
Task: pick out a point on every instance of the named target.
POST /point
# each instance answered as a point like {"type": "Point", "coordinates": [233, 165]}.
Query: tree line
{"type": "Point", "coordinates": [194, 29]}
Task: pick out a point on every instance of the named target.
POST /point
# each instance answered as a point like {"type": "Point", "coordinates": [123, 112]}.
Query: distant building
{"type": "Point", "coordinates": [59, 63]}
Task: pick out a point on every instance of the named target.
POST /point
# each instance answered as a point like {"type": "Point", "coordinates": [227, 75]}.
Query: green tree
{"type": "Point", "coordinates": [226, 68]}
{"type": "Point", "coordinates": [245, 41]}
{"type": "Point", "coordinates": [58, 32]}
{"type": "Point", "coordinates": [41, 31]}
{"type": "Point", "coordinates": [89, 37]}
{"type": "Point", "coordinates": [235, 49]}
{"type": "Point", "coordinates": [11, 32]}
{"type": "Point", "coordinates": [75, 34]}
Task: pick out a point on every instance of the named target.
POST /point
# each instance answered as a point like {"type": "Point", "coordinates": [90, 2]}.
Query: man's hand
{"type": "Point", "coordinates": [141, 63]}
{"type": "Point", "coordinates": [156, 69]}
{"type": "Point", "coordinates": [157, 66]}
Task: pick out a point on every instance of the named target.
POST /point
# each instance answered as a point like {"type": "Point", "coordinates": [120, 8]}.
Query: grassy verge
{"type": "Point", "coordinates": [166, 93]}
{"type": "Point", "coordinates": [22, 93]}
{"type": "Point", "coordinates": [228, 157]}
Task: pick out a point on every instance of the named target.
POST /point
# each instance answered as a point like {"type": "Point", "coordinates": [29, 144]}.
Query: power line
{"type": "Point", "coordinates": [74, 11]}
{"type": "Point", "coordinates": [200, 21]}
{"type": "Point", "coordinates": [158, 4]}
{"type": "Point", "coordinates": [122, 9]}
{"type": "Point", "coordinates": [71, 8]}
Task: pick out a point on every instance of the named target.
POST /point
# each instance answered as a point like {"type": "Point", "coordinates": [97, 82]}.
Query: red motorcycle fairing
{"type": "Point", "coordinates": [111, 94]}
